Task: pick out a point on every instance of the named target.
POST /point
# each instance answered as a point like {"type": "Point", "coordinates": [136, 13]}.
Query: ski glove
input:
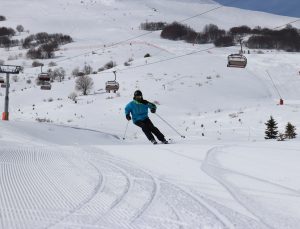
{"type": "Point", "coordinates": [153, 110]}
{"type": "Point", "coordinates": [128, 117]}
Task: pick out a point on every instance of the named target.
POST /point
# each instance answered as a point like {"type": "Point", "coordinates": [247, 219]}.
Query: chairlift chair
{"type": "Point", "coordinates": [46, 86]}
{"type": "Point", "coordinates": [112, 85]}
{"type": "Point", "coordinates": [2, 80]}
{"type": "Point", "coordinates": [43, 77]}
{"type": "Point", "coordinates": [237, 61]}
{"type": "Point", "coordinates": [3, 85]}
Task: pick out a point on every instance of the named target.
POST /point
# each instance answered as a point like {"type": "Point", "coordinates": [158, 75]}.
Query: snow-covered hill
{"type": "Point", "coordinates": [77, 172]}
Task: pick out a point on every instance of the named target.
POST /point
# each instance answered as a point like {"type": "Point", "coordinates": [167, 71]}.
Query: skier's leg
{"type": "Point", "coordinates": [145, 129]}
{"type": "Point", "coordinates": [155, 130]}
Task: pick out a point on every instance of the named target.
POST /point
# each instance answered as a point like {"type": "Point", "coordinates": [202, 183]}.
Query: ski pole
{"type": "Point", "coordinates": [170, 126]}
{"type": "Point", "coordinates": [125, 130]}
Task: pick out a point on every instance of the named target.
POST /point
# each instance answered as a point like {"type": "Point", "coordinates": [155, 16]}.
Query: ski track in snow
{"type": "Point", "coordinates": [36, 189]}
{"type": "Point", "coordinates": [89, 188]}
{"type": "Point", "coordinates": [269, 218]}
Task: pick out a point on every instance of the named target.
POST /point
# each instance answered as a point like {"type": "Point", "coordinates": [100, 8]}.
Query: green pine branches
{"type": "Point", "coordinates": [271, 131]}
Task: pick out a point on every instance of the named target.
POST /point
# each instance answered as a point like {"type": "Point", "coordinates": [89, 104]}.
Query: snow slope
{"type": "Point", "coordinates": [77, 172]}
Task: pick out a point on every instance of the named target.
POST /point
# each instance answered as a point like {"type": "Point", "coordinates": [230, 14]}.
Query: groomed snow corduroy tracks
{"type": "Point", "coordinates": [69, 188]}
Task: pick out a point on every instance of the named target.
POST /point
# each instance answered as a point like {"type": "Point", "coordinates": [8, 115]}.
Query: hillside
{"type": "Point", "coordinates": [74, 170]}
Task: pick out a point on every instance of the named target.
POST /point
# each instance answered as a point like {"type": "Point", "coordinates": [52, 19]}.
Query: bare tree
{"type": "Point", "coordinates": [84, 84]}
{"type": "Point", "coordinates": [59, 74]}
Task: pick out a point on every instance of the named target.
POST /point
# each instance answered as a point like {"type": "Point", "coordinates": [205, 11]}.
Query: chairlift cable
{"type": "Point", "coordinates": [274, 84]}
{"type": "Point", "coordinates": [292, 22]}
{"type": "Point", "coordinates": [164, 60]}
{"type": "Point", "coordinates": [144, 34]}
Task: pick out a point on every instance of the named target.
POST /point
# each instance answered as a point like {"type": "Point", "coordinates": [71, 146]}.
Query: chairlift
{"type": "Point", "coordinates": [46, 86]}
{"type": "Point", "coordinates": [237, 61]}
{"type": "Point", "coordinates": [43, 77]}
{"type": "Point", "coordinates": [112, 85]}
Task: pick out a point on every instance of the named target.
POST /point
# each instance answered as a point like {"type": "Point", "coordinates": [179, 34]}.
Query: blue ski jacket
{"type": "Point", "coordinates": [139, 110]}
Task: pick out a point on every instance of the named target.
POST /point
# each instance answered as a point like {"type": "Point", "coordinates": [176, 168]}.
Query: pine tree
{"type": "Point", "coordinates": [271, 130]}
{"type": "Point", "coordinates": [290, 131]}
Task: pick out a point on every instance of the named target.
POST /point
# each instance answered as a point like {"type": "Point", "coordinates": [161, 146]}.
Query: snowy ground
{"type": "Point", "coordinates": [77, 172]}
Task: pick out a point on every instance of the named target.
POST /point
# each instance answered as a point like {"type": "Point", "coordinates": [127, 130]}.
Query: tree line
{"type": "Point", "coordinates": [287, 39]}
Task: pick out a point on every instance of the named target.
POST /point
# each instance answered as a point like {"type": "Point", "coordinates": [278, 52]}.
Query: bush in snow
{"type": "Point", "coordinates": [87, 69]}
{"type": "Point", "coordinates": [2, 18]}
{"type": "Point", "coordinates": [44, 38]}
{"type": "Point", "coordinates": [43, 120]}
{"type": "Point", "coordinates": [110, 65]}
{"type": "Point", "coordinates": [240, 30]}
{"type": "Point", "coordinates": [177, 31]}
{"type": "Point", "coordinates": [287, 39]}
{"type": "Point", "coordinates": [224, 41]}
{"type": "Point", "coordinates": [20, 28]}
{"type": "Point", "coordinates": [72, 96]}
{"type": "Point", "coordinates": [213, 33]}
{"type": "Point", "coordinates": [52, 64]}
{"type": "Point", "coordinates": [84, 84]}
{"type": "Point", "coordinates": [4, 31]}
{"type": "Point", "coordinates": [75, 72]}
{"type": "Point", "coordinates": [281, 137]}
{"type": "Point", "coordinates": [147, 55]}
{"type": "Point", "coordinates": [45, 51]}
{"type": "Point", "coordinates": [15, 78]}
{"type": "Point", "coordinates": [153, 26]}
{"type": "Point", "coordinates": [290, 131]}
{"type": "Point", "coordinates": [59, 74]}
{"type": "Point", "coordinates": [128, 62]}
{"type": "Point", "coordinates": [36, 64]}
{"type": "Point", "coordinates": [271, 129]}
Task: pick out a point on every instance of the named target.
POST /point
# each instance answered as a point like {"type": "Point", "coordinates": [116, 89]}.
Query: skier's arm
{"type": "Point", "coordinates": [152, 107]}
{"type": "Point", "coordinates": [128, 111]}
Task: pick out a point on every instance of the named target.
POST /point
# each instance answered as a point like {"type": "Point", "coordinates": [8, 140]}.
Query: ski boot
{"type": "Point", "coordinates": [154, 142]}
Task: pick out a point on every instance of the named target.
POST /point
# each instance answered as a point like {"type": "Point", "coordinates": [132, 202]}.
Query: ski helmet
{"type": "Point", "coordinates": [138, 93]}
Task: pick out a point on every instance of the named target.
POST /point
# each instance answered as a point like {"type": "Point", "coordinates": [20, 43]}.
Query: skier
{"type": "Point", "coordinates": [138, 108]}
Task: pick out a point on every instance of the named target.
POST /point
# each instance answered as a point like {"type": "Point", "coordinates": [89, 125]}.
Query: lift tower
{"type": "Point", "coordinates": [8, 69]}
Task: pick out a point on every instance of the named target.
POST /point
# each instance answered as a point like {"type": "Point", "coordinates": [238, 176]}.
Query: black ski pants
{"type": "Point", "coordinates": [149, 129]}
